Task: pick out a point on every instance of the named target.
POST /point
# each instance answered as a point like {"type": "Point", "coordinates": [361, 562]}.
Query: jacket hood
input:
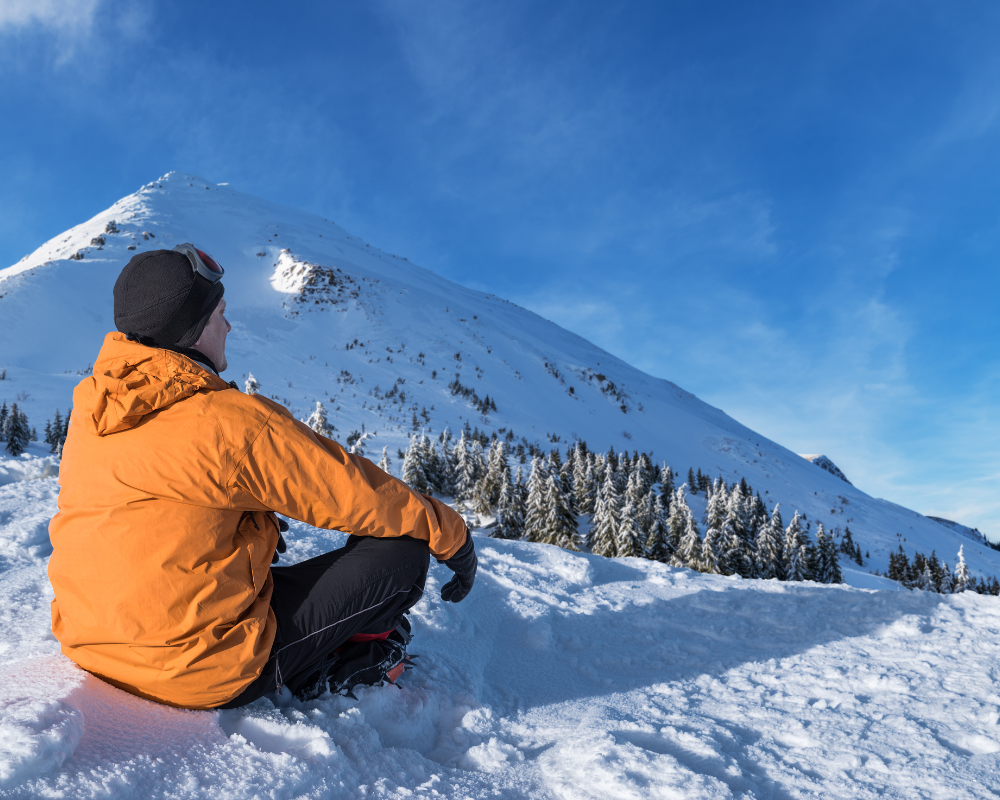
{"type": "Point", "coordinates": [131, 380]}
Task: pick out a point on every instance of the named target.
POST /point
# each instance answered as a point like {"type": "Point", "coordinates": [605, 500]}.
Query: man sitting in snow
{"type": "Point", "coordinates": [171, 480]}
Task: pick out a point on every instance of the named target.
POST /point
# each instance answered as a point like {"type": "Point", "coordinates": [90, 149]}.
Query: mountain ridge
{"type": "Point", "coordinates": [321, 315]}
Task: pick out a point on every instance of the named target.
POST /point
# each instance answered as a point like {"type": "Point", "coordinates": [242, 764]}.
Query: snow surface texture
{"type": "Point", "coordinates": [563, 675]}
{"type": "Point", "coordinates": [301, 291]}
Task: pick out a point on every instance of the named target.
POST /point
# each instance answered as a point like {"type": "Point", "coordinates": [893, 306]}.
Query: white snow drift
{"type": "Point", "coordinates": [563, 675]}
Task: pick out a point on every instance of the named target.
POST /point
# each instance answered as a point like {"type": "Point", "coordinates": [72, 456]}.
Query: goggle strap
{"type": "Point", "coordinates": [198, 263]}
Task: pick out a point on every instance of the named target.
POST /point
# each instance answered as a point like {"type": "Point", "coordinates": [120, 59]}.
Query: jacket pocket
{"type": "Point", "coordinates": [245, 537]}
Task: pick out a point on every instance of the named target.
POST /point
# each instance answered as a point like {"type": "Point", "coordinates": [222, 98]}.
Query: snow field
{"type": "Point", "coordinates": [562, 675]}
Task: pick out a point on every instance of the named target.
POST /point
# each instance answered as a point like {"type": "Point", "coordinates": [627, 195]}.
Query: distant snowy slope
{"type": "Point", "coordinates": [957, 527]}
{"type": "Point", "coordinates": [321, 315]}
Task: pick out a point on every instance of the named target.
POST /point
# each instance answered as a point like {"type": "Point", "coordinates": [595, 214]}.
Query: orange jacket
{"type": "Point", "coordinates": [163, 541]}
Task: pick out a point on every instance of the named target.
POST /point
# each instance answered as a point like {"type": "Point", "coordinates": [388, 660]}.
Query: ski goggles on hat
{"type": "Point", "coordinates": [202, 263]}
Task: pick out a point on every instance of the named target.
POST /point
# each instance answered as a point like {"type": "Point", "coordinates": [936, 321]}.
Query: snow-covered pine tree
{"type": "Point", "coordinates": [359, 446]}
{"type": "Point", "coordinates": [898, 565]}
{"type": "Point", "coordinates": [536, 513]}
{"type": "Point", "coordinates": [570, 457]}
{"type": "Point", "coordinates": [319, 423]}
{"type": "Point", "coordinates": [832, 561]}
{"type": "Point", "coordinates": [566, 482]}
{"type": "Point", "coordinates": [496, 465]}
{"type": "Point", "coordinates": [17, 432]}
{"type": "Point", "coordinates": [688, 550]}
{"type": "Point", "coordinates": [770, 548]}
{"type": "Point", "coordinates": [637, 494]}
{"type": "Point", "coordinates": [413, 467]}
{"type": "Point", "coordinates": [715, 509]}
{"type": "Point", "coordinates": [758, 520]}
{"type": "Point", "coordinates": [566, 472]}
{"type": "Point", "coordinates": [962, 577]}
{"type": "Point", "coordinates": [646, 515]}
{"type": "Point", "coordinates": [925, 581]}
{"type": "Point", "coordinates": [676, 521]}
{"type": "Point", "coordinates": [430, 457]}
{"type": "Point", "coordinates": [740, 558]}
{"type": "Point", "coordinates": [634, 490]}
{"type": "Point", "coordinates": [430, 460]}
{"type": "Point", "coordinates": [478, 461]}
{"type": "Point", "coordinates": [56, 435]}
{"type": "Point", "coordinates": [251, 386]}
{"type": "Point", "coordinates": [734, 558]}
{"type": "Point", "coordinates": [447, 460]}
{"type": "Point", "coordinates": [569, 528]}
{"type": "Point", "coordinates": [510, 510]}
{"type": "Point", "coordinates": [935, 567]}
{"type": "Point", "coordinates": [607, 517]}
{"type": "Point", "coordinates": [658, 545]}
{"type": "Point", "coordinates": [554, 463]}
{"type": "Point", "coordinates": [713, 555]}
{"type": "Point", "coordinates": [4, 416]}
{"type": "Point", "coordinates": [947, 581]}
{"type": "Point", "coordinates": [596, 464]}
{"type": "Point", "coordinates": [582, 480]}
{"type": "Point", "coordinates": [488, 489]}
{"type": "Point", "coordinates": [499, 531]}
{"type": "Point", "coordinates": [795, 551]}
{"type": "Point", "coordinates": [51, 429]}
{"type": "Point", "coordinates": [560, 523]}
{"type": "Point", "coordinates": [666, 487]}
{"type": "Point", "coordinates": [465, 469]}
{"type": "Point", "coordinates": [519, 488]}
{"type": "Point", "coordinates": [59, 433]}
{"type": "Point", "coordinates": [712, 559]}
{"type": "Point", "coordinates": [692, 482]}
{"type": "Point", "coordinates": [384, 463]}
{"type": "Point", "coordinates": [913, 573]}
{"type": "Point", "coordinates": [629, 541]}
{"type": "Point", "coordinates": [648, 474]}
{"type": "Point", "coordinates": [823, 569]}
{"type": "Point", "coordinates": [758, 514]}
{"type": "Point", "coordinates": [622, 470]}
{"type": "Point", "coordinates": [518, 504]}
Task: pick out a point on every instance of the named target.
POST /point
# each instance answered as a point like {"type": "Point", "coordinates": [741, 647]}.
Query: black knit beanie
{"type": "Point", "coordinates": [150, 295]}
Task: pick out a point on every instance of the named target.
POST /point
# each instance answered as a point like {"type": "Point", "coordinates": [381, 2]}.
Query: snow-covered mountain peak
{"type": "Point", "coordinates": [823, 462]}
{"type": "Point", "coordinates": [321, 315]}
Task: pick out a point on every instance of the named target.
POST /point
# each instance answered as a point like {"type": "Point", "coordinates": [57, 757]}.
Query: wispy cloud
{"type": "Point", "coordinates": [90, 35]}
{"type": "Point", "coordinates": [58, 15]}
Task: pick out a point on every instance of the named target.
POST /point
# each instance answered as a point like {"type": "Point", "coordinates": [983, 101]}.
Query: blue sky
{"type": "Point", "coordinates": [790, 209]}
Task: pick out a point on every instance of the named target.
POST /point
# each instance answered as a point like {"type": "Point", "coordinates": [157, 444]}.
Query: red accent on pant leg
{"type": "Point", "coordinates": [369, 637]}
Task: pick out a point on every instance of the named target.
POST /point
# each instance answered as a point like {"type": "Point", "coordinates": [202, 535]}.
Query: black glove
{"type": "Point", "coordinates": [463, 564]}
{"type": "Point", "coordinates": [282, 527]}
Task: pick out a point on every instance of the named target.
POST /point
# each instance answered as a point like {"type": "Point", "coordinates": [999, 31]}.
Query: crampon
{"type": "Point", "coordinates": [373, 661]}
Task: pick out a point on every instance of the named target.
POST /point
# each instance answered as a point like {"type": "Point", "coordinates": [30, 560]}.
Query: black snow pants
{"type": "Point", "coordinates": [364, 587]}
